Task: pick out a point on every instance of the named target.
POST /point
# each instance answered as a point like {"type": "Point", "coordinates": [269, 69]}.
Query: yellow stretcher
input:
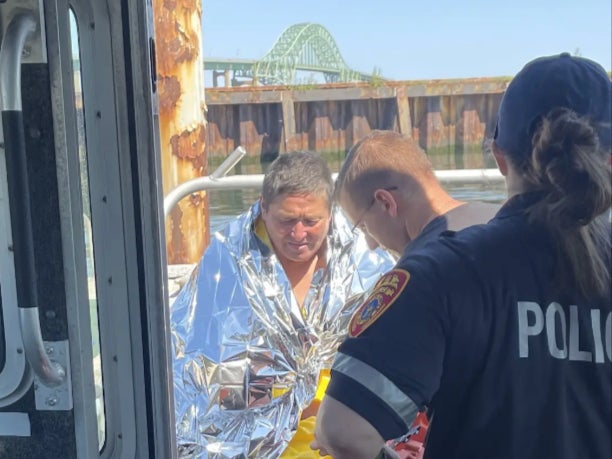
{"type": "Point", "coordinates": [299, 447]}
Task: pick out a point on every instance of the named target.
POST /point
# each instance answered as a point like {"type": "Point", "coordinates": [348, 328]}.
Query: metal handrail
{"type": "Point", "coordinates": [215, 180]}
{"type": "Point", "coordinates": [48, 371]}
{"type": "Point", "coordinates": [460, 176]}
{"type": "Point", "coordinates": [229, 163]}
{"type": "Point", "coordinates": [19, 29]}
{"type": "Point", "coordinates": [254, 181]}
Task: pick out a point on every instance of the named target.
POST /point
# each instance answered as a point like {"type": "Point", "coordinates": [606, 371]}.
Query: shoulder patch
{"type": "Point", "coordinates": [385, 292]}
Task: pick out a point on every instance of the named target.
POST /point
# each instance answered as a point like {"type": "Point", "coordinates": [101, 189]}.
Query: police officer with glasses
{"type": "Point", "coordinates": [503, 330]}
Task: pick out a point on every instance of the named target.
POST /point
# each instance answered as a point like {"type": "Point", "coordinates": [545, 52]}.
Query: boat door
{"type": "Point", "coordinates": [84, 343]}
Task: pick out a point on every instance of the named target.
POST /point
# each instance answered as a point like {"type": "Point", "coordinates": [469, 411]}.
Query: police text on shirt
{"type": "Point", "coordinates": [565, 335]}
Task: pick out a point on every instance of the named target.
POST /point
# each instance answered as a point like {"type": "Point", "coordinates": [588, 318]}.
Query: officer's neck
{"type": "Point", "coordinates": [421, 210]}
{"type": "Point", "coordinates": [515, 184]}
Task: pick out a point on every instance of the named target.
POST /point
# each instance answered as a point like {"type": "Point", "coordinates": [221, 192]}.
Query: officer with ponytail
{"type": "Point", "coordinates": [504, 330]}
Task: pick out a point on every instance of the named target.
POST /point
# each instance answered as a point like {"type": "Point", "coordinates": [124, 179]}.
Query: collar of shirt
{"type": "Point", "coordinates": [519, 204]}
{"type": "Point", "coordinates": [259, 227]}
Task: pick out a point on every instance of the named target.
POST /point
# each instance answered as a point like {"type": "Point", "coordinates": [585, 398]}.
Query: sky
{"type": "Point", "coordinates": [426, 39]}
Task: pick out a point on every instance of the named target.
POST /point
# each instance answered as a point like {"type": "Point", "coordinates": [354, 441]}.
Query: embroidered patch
{"type": "Point", "coordinates": [385, 292]}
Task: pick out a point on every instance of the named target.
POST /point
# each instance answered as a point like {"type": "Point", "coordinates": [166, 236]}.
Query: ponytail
{"type": "Point", "coordinates": [569, 167]}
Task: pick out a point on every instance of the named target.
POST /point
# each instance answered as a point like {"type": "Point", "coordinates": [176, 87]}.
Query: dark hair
{"type": "Point", "coordinates": [569, 166]}
{"type": "Point", "coordinates": [299, 172]}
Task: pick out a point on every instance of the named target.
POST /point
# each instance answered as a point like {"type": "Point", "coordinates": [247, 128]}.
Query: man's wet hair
{"type": "Point", "coordinates": [297, 173]}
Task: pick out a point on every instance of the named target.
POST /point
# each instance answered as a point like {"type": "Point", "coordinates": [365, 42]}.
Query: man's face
{"type": "Point", "coordinates": [297, 225]}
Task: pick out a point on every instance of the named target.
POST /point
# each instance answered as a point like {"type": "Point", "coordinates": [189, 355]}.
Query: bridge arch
{"type": "Point", "coordinates": [304, 46]}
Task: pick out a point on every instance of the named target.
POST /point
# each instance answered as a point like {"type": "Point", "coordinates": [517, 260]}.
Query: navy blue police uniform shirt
{"type": "Point", "coordinates": [473, 326]}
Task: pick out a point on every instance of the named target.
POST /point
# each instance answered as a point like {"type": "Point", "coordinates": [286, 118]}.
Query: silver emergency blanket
{"type": "Point", "coordinates": [246, 356]}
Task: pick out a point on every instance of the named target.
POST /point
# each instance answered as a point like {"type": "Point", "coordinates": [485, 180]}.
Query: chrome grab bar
{"type": "Point", "coordinates": [217, 181]}
{"type": "Point", "coordinates": [211, 181]}
{"type": "Point", "coordinates": [19, 29]}
{"type": "Point", "coordinates": [228, 163]}
{"type": "Point", "coordinates": [48, 372]}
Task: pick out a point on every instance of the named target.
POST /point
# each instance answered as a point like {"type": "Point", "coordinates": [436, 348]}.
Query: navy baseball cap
{"type": "Point", "coordinates": [561, 81]}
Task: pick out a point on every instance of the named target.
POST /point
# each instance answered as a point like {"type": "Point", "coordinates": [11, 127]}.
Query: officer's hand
{"type": "Point", "coordinates": [410, 450]}
{"type": "Point", "coordinates": [388, 453]}
{"type": "Point", "coordinates": [314, 445]}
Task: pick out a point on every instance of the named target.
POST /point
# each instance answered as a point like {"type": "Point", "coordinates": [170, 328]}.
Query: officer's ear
{"type": "Point", "coordinates": [386, 199]}
{"type": "Point", "coordinates": [500, 159]}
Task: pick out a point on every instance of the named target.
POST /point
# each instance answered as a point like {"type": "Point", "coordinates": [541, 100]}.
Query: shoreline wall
{"type": "Point", "coordinates": [441, 115]}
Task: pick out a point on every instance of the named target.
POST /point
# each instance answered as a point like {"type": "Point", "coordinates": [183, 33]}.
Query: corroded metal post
{"type": "Point", "coordinates": [178, 37]}
{"type": "Point", "coordinates": [289, 142]}
{"type": "Point", "coordinates": [403, 112]}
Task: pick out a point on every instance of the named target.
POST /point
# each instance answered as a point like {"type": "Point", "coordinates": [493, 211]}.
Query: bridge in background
{"type": "Point", "coordinates": [304, 47]}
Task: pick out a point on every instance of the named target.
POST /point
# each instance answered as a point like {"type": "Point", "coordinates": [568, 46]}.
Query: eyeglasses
{"type": "Point", "coordinates": [367, 209]}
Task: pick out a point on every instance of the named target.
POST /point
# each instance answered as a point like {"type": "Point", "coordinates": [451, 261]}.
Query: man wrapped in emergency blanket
{"type": "Point", "coordinates": [249, 343]}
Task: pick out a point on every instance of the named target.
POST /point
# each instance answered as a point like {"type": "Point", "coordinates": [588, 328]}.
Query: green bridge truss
{"type": "Point", "coordinates": [308, 47]}
{"type": "Point", "coordinates": [301, 47]}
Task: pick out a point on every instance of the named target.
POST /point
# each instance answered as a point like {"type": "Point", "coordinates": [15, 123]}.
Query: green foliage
{"type": "Point", "coordinates": [377, 80]}
{"type": "Point", "coordinates": [304, 84]}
